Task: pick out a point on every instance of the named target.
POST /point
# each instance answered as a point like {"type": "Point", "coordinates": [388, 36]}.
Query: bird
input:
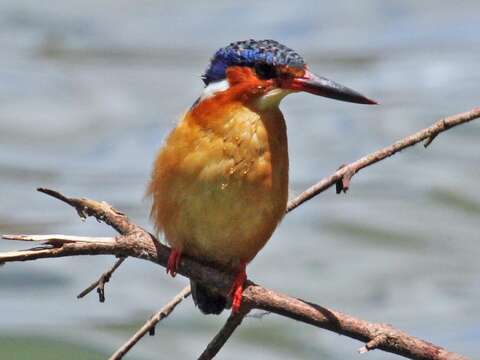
{"type": "Point", "coordinates": [219, 184]}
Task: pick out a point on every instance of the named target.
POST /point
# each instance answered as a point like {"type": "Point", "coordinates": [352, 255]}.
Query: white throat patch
{"type": "Point", "coordinates": [272, 98]}
{"type": "Point", "coordinates": [213, 88]}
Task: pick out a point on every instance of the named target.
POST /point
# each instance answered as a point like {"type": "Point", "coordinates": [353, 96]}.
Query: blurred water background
{"type": "Point", "coordinates": [88, 91]}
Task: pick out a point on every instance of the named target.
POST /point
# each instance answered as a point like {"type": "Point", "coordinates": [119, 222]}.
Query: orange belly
{"type": "Point", "coordinates": [220, 185]}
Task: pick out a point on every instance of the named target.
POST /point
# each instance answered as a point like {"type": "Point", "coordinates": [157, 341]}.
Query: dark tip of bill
{"type": "Point", "coordinates": [370, 102]}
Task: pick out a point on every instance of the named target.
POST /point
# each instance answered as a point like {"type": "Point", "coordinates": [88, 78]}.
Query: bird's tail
{"type": "Point", "coordinates": [207, 301]}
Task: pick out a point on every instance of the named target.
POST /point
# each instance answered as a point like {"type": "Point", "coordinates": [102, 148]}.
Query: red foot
{"type": "Point", "coordinates": [173, 261]}
{"type": "Point", "coordinates": [237, 288]}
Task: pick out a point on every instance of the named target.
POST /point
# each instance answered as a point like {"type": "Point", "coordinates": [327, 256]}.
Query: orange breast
{"type": "Point", "coordinates": [220, 182]}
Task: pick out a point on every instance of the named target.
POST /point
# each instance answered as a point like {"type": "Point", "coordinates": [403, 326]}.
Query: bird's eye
{"type": "Point", "coordinates": [265, 71]}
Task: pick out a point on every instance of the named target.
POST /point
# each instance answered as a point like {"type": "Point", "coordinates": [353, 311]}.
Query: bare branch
{"type": "Point", "coordinates": [389, 339]}
{"type": "Point", "coordinates": [61, 239]}
{"type": "Point", "coordinates": [56, 239]}
{"type": "Point", "coordinates": [136, 242]}
{"type": "Point", "coordinates": [100, 283]}
{"type": "Point", "coordinates": [139, 244]}
{"type": "Point", "coordinates": [151, 323]}
{"type": "Point", "coordinates": [142, 245]}
{"type": "Point", "coordinates": [53, 248]}
{"type": "Point", "coordinates": [224, 334]}
{"type": "Point", "coordinates": [345, 173]}
{"type": "Point", "coordinates": [100, 210]}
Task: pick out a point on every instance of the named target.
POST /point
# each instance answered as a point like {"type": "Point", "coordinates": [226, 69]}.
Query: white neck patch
{"type": "Point", "coordinates": [213, 88]}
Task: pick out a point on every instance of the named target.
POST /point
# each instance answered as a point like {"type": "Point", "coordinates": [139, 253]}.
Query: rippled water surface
{"type": "Point", "coordinates": [88, 91]}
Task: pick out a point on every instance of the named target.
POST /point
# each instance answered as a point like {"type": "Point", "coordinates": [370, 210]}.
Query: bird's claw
{"type": "Point", "coordinates": [237, 289]}
{"type": "Point", "coordinates": [173, 262]}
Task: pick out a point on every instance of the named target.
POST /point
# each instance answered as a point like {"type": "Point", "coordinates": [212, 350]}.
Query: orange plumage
{"type": "Point", "coordinates": [220, 182]}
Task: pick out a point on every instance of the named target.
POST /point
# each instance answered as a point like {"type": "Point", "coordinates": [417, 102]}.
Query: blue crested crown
{"type": "Point", "coordinates": [249, 53]}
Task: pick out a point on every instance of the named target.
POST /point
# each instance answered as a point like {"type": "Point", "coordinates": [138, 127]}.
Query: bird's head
{"type": "Point", "coordinates": [268, 71]}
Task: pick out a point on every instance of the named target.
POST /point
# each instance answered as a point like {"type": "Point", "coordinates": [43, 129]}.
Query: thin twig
{"type": "Point", "coordinates": [151, 323]}
{"type": "Point", "coordinates": [225, 333]}
{"type": "Point", "coordinates": [57, 239]}
{"type": "Point", "coordinates": [100, 283]}
{"type": "Point", "coordinates": [100, 210]}
{"type": "Point", "coordinates": [351, 169]}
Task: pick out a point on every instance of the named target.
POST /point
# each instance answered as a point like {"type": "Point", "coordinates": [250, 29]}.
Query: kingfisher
{"type": "Point", "coordinates": [219, 183]}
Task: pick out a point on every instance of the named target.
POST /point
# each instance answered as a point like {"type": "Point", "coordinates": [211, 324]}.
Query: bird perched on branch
{"type": "Point", "coordinates": [220, 182]}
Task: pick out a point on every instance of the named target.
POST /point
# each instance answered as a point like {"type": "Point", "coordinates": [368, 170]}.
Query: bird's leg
{"type": "Point", "coordinates": [237, 288]}
{"type": "Point", "coordinates": [173, 261]}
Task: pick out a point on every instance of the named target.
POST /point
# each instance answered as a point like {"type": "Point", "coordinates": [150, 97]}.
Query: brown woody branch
{"type": "Point", "coordinates": [149, 326]}
{"type": "Point", "coordinates": [100, 283]}
{"type": "Point", "coordinates": [140, 244]}
{"type": "Point", "coordinates": [225, 332]}
{"type": "Point", "coordinates": [345, 173]}
{"type": "Point", "coordinates": [342, 177]}
{"type": "Point", "coordinates": [135, 242]}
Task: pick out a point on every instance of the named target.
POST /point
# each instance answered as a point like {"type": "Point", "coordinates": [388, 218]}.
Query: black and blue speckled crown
{"type": "Point", "coordinates": [249, 53]}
